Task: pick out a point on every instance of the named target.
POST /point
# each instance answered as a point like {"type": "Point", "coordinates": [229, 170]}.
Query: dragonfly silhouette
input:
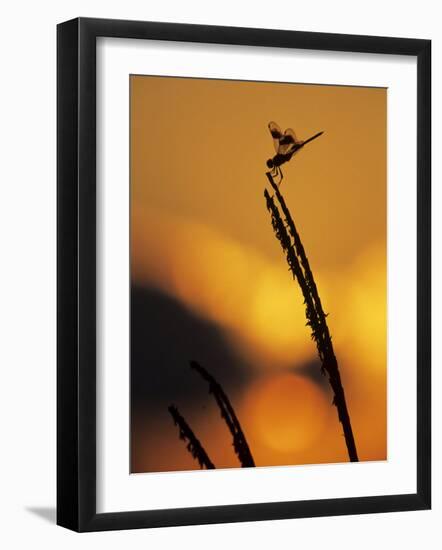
{"type": "Point", "coordinates": [286, 145]}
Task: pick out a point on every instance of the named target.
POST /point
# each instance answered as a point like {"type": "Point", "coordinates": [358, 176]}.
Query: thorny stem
{"type": "Point", "coordinates": [228, 414]}
{"type": "Point", "coordinates": [316, 318]}
{"type": "Point", "coordinates": [193, 446]}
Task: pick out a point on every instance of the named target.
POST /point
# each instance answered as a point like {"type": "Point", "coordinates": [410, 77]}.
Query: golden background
{"type": "Point", "coordinates": [200, 233]}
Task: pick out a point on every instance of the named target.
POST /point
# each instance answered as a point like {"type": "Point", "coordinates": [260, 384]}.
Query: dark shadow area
{"type": "Point", "coordinates": [47, 513]}
{"type": "Point", "coordinates": [164, 336]}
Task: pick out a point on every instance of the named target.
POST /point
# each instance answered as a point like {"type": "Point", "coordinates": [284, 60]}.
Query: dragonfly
{"type": "Point", "coordinates": [286, 145]}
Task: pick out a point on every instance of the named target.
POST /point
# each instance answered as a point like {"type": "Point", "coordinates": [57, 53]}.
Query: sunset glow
{"type": "Point", "coordinates": [202, 243]}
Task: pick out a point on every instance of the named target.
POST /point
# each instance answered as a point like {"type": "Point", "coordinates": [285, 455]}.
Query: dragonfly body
{"type": "Point", "coordinates": [286, 145]}
{"type": "Point", "coordinates": [278, 160]}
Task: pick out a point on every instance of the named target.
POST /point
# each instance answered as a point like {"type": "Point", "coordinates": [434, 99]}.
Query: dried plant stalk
{"type": "Point", "coordinates": [193, 445]}
{"type": "Point", "coordinates": [316, 318]}
{"type": "Point", "coordinates": [240, 444]}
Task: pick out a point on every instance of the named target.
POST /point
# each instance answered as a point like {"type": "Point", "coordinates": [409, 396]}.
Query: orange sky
{"type": "Point", "coordinates": [200, 233]}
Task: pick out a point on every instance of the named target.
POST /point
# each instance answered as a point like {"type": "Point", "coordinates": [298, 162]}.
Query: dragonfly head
{"type": "Point", "coordinates": [270, 163]}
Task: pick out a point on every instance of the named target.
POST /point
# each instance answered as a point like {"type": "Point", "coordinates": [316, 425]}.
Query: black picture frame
{"type": "Point", "coordinates": [76, 273]}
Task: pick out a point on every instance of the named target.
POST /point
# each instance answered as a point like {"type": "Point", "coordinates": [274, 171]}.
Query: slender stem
{"type": "Point", "coordinates": [316, 318]}
{"type": "Point", "coordinates": [300, 252]}
{"type": "Point", "coordinates": [228, 414]}
{"type": "Point", "coordinates": [193, 446]}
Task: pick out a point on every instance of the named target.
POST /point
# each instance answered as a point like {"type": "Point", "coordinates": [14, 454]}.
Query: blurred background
{"type": "Point", "coordinates": [210, 282]}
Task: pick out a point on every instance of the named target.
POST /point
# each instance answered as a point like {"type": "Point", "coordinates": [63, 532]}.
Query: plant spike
{"type": "Point", "coordinates": [186, 434]}
{"type": "Point", "coordinates": [316, 318]}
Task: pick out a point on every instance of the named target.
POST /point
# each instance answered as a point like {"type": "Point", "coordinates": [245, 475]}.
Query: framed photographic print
{"type": "Point", "coordinates": [243, 274]}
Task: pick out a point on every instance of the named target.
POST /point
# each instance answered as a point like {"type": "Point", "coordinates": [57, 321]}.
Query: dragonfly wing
{"type": "Point", "coordinates": [290, 134]}
{"type": "Point", "coordinates": [287, 142]}
{"type": "Point", "coordinates": [277, 135]}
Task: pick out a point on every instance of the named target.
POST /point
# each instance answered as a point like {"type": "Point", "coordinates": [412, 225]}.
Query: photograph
{"type": "Point", "coordinates": [258, 274]}
{"type": "Point", "coordinates": [221, 247]}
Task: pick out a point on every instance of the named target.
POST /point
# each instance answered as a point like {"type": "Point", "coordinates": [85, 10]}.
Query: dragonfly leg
{"type": "Point", "coordinates": [281, 175]}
